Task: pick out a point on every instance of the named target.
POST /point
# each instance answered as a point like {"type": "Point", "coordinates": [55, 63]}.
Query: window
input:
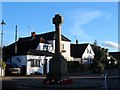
{"type": "Point", "coordinates": [62, 46]}
{"type": "Point", "coordinates": [45, 47]}
{"type": "Point", "coordinates": [90, 51]}
{"type": "Point", "coordinates": [87, 50]}
{"type": "Point", "coordinates": [32, 62]}
{"type": "Point", "coordinates": [35, 63]}
{"type": "Point", "coordinates": [38, 63]}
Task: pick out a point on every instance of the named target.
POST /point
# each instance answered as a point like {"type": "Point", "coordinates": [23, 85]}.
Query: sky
{"type": "Point", "coordinates": [60, 0]}
{"type": "Point", "coordinates": [85, 21]}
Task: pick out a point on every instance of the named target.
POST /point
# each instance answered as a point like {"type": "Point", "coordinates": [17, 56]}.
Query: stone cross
{"type": "Point", "coordinates": [58, 65]}
{"type": "Point", "coordinates": [58, 20]}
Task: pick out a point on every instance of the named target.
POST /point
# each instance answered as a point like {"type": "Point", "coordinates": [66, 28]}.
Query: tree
{"type": "Point", "coordinates": [3, 64]}
{"type": "Point", "coordinates": [100, 58]}
{"type": "Point", "coordinates": [95, 43]}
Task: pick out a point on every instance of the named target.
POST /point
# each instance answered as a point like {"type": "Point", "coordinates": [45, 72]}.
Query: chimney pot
{"type": "Point", "coordinates": [76, 41]}
{"type": "Point", "coordinates": [33, 34]}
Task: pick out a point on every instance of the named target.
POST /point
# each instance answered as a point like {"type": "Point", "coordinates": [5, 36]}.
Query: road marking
{"type": "Point", "coordinates": [106, 81]}
{"type": "Point", "coordinates": [102, 75]}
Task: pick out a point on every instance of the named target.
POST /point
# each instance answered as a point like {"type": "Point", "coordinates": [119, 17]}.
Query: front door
{"type": "Point", "coordinates": [45, 66]}
{"type": "Point", "coordinates": [23, 70]}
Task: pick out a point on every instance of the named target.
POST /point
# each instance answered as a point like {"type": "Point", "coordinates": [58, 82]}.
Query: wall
{"type": "Point", "coordinates": [77, 59]}
{"type": "Point", "coordinates": [87, 55]}
{"type": "Point", "coordinates": [25, 60]}
{"type": "Point", "coordinates": [66, 48]}
{"type": "Point", "coordinates": [40, 47]}
{"type": "Point", "coordinates": [30, 69]}
{"type": "Point", "coordinates": [66, 54]}
{"type": "Point", "coordinates": [37, 69]}
{"type": "Point", "coordinates": [52, 45]}
{"type": "Point", "coordinates": [19, 60]}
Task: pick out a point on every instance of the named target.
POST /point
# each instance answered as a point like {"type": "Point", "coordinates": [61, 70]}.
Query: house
{"type": "Point", "coordinates": [32, 54]}
{"type": "Point", "coordinates": [115, 55]}
{"type": "Point", "coordinates": [114, 58]}
{"type": "Point", "coordinates": [82, 53]}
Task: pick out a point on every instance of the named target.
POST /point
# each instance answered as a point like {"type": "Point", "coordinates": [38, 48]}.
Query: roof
{"type": "Point", "coordinates": [40, 52]}
{"type": "Point", "coordinates": [30, 43]}
{"type": "Point", "coordinates": [22, 47]}
{"type": "Point", "coordinates": [47, 36]}
{"type": "Point", "coordinates": [113, 58]}
{"type": "Point", "coordinates": [77, 50]}
{"type": "Point", "coordinates": [115, 55]}
{"type": "Point", "coordinates": [32, 52]}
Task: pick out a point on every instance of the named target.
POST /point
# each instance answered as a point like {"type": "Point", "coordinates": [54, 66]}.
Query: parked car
{"type": "Point", "coordinates": [11, 69]}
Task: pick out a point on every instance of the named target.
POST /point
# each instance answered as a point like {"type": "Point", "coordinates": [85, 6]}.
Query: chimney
{"type": "Point", "coordinates": [33, 34]}
{"type": "Point", "coordinates": [76, 41]}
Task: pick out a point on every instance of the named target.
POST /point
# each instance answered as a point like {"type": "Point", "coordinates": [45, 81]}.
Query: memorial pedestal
{"type": "Point", "coordinates": [57, 69]}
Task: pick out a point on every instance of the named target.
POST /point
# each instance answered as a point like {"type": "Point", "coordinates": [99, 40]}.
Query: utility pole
{"type": "Point", "coordinates": [2, 24]}
{"type": "Point", "coordinates": [16, 39]}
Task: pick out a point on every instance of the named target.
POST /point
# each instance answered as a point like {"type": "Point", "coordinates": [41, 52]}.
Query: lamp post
{"type": "Point", "coordinates": [2, 24]}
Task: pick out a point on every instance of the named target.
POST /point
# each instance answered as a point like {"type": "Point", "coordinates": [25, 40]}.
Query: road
{"type": "Point", "coordinates": [84, 82]}
{"type": "Point", "coordinates": [113, 79]}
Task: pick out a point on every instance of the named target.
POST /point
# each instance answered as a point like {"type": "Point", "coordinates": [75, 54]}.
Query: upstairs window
{"type": "Point", "coordinates": [45, 47]}
{"type": "Point", "coordinates": [90, 51]}
{"type": "Point", "coordinates": [62, 46]}
{"type": "Point", "coordinates": [87, 50]}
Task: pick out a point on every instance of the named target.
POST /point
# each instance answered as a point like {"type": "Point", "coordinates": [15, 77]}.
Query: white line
{"type": "Point", "coordinates": [102, 75]}
{"type": "Point", "coordinates": [106, 81]}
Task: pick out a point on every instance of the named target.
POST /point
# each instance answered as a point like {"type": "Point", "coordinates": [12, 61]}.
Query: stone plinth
{"type": "Point", "coordinates": [58, 68]}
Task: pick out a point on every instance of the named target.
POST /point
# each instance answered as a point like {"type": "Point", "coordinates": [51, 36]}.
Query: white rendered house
{"type": "Point", "coordinates": [34, 52]}
{"type": "Point", "coordinates": [82, 53]}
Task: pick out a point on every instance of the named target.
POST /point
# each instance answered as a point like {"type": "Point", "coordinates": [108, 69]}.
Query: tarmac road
{"type": "Point", "coordinates": [35, 83]}
{"type": "Point", "coordinates": [113, 80]}
{"type": "Point", "coordinates": [84, 82]}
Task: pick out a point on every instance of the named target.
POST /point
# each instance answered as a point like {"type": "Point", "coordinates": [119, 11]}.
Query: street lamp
{"type": "Point", "coordinates": [2, 24]}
